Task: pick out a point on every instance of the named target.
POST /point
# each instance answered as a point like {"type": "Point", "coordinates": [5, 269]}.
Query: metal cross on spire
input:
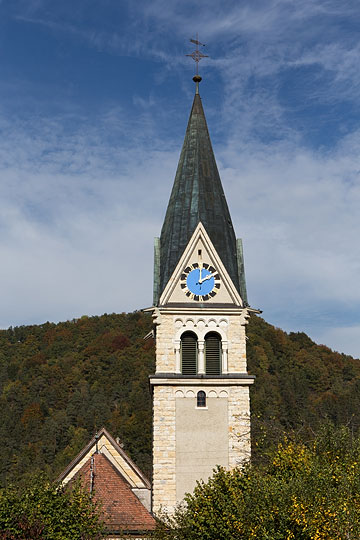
{"type": "Point", "coordinates": [197, 55]}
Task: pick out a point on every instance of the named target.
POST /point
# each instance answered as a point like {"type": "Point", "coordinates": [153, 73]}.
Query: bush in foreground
{"type": "Point", "coordinates": [304, 492]}
{"type": "Point", "coordinates": [44, 511]}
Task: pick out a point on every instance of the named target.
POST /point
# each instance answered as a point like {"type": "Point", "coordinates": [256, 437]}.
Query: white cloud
{"type": "Point", "coordinates": [77, 237]}
{"type": "Point", "coordinates": [77, 223]}
{"type": "Point", "coordinates": [307, 203]}
{"type": "Point", "coordinates": [81, 199]}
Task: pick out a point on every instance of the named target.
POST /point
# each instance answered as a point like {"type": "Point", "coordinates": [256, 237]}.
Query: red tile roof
{"type": "Point", "coordinates": [122, 510]}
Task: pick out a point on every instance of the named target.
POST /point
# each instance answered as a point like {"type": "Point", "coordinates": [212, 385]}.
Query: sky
{"type": "Point", "coordinates": [94, 102]}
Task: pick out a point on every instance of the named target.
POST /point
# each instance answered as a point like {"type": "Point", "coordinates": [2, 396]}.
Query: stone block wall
{"type": "Point", "coordinates": [239, 425]}
{"type": "Point", "coordinates": [170, 324]}
{"type": "Point", "coordinates": [166, 440]}
{"type": "Point", "coordinates": [164, 446]}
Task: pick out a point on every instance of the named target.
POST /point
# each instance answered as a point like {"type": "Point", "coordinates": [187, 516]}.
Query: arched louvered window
{"type": "Point", "coordinates": [212, 354]}
{"type": "Point", "coordinates": [189, 353]}
{"type": "Point", "coordinates": [201, 399]}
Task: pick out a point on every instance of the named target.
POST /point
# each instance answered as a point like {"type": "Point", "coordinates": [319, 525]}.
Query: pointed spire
{"type": "Point", "coordinates": [197, 196]}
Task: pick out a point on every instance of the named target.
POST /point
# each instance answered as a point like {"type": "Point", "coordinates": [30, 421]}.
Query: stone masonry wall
{"type": "Point", "coordinates": [169, 327]}
{"type": "Point", "coordinates": [236, 345]}
{"type": "Point", "coordinates": [239, 425]}
{"type": "Point", "coordinates": [164, 487]}
{"type": "Point", "coordinates": [164, 441]}
{"type": "Point", "coordinates": [165, 348]}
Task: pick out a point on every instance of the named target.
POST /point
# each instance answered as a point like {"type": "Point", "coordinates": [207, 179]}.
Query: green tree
{"type": "Point", "coordinates": [44, 511]}
{"type": "Point", "coordinates": [304, 492]}
{"type": "Point", "coordinates": [60, 383]}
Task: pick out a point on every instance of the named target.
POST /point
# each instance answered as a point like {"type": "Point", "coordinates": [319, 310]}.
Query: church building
{"type": "Point", "coordinates": [201, 406]}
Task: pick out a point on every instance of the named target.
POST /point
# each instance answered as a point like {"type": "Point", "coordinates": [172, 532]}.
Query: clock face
{"type": "Point", "coordinates": [200, 281]}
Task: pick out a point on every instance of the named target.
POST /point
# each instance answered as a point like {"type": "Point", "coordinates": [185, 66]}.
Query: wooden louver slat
{"type": "Point", "coordinates": [188, 354]}
{"type": "Point", "coordinates": [213, 354]}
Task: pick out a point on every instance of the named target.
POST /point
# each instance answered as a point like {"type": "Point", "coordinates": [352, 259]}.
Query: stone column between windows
{"type": "Point", "coordinates": [177, 356]}
{"type": "Point", "coordinates": [201, 358]}
{"type": "Point", "coordinates": [224, 360]}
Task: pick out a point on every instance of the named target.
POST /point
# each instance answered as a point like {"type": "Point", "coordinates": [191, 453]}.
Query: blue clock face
{"type": "Point", "coordinates": [200, 281]}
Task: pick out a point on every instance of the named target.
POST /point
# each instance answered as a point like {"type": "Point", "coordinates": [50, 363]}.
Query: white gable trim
{"type": "Point", "coordinates": [115, 454]}
{"type": "Point", "coordinates": [200, 234]}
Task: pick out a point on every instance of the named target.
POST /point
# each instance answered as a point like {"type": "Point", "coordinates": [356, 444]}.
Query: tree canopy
{"type": "Point", "coordinates": [47, 511]}
{"type": "Point", "coordinates": [303, 492]}
{"type": "Point", "coordinates": [60, 383]}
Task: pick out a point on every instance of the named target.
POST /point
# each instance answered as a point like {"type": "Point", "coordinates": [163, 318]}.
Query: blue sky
{"type": "Point", "coordinates": [94, 101]}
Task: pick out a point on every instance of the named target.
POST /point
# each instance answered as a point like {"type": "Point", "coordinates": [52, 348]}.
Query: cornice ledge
{"type": "Point", "coordinates": [205, 380]}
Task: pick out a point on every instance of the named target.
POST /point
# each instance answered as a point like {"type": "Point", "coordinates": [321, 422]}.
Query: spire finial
{"type": "Point", "coordinates": [197, 56]}
{"type": "Point", "coordinates": [197, 79]}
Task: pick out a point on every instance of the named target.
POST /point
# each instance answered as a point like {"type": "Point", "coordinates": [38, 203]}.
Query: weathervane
{"type": "Point", "coordinates": [197, 55]}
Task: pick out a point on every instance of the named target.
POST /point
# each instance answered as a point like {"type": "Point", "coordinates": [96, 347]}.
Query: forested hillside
{"type": "Point", "coordinates": [59, 383]}
{"type": "Point", "coordinates": [299, 385]}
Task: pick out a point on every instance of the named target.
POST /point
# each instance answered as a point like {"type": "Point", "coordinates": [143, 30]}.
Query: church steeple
{"type": "Point", "coordinates": [200, 387]}
{"type": "Point", "coordinates": [198, 196]}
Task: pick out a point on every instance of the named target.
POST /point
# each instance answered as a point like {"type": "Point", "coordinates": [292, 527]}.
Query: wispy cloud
{"type": "Point", "coordinates": [297, 210]}
{"type": "Point", "coordinates": [82, 195]}
{"type": "Point", "coordinates": [73, 220]}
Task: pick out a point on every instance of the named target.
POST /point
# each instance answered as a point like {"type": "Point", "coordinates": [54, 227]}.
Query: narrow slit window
{"type": "Point", "coordinates": [201, 399]}
{"type": "Point", "coordinates": [213, 354]}
{"type": "Point", "coordinates": [189, 353]}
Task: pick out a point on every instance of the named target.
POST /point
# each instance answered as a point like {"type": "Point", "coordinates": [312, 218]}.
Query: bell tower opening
{"type": "Point", "coordinates": [189, 353]}
{"type": "Point", "coordinates": [213, 354]}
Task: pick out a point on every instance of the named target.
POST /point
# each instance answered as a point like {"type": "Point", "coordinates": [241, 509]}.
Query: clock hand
{"type": "Point", "coordinates": [207, 277]}
{"type": "Point", "coordinates": [200, 280]}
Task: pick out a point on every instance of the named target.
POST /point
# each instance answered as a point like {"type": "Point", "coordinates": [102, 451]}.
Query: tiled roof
{"type": "Point", "coordinates": [122, 510]}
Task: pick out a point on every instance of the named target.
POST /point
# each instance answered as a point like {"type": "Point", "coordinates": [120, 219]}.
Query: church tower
{"type": "Point", "coordinates": [201, 406]}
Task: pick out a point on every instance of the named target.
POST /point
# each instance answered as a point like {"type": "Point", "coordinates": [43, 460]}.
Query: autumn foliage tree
{"type": "Point", "coordinates": [60, 383]}
{"type": "Point", "coordinates": [304, 492]}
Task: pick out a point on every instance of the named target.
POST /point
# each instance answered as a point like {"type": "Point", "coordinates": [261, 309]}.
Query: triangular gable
{"type": "Point", "coordinates": [200, 242]}
{"type": "Point", "coordinates": [106, 445]}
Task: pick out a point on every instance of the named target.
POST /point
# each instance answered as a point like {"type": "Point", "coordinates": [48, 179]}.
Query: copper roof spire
{"type": "Point", "coordinates": [197, 196]}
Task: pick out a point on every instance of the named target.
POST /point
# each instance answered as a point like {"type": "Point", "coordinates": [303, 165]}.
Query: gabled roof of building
{"type": "Point", "coordinates": [121, 508]}
{"type": "Point", "coordinates": [116, 482]}
{"type": "Point", "coordinates": [104, 443]}
{"type": "Point", "coordinates": [197, 196]}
